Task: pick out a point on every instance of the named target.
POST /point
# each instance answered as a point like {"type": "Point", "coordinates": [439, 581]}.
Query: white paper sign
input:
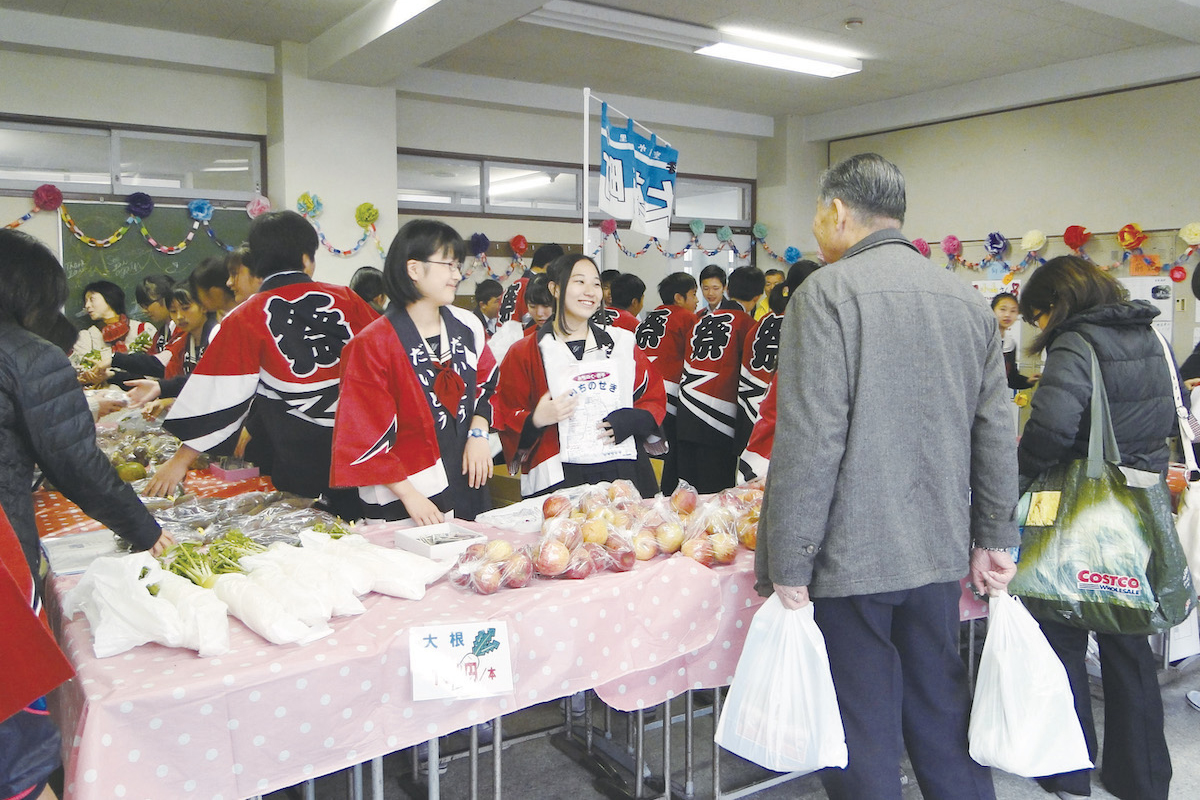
{"type": "Point", "coordinates": [1157, 290]}
{"type": "Point", "coordinates": [601, 385]}
{"type": "Point", "coordinates": [469, 659]}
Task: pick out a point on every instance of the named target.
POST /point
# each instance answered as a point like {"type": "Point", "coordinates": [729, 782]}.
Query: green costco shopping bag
{"type": "Point", "coordinates": [1098, 547]}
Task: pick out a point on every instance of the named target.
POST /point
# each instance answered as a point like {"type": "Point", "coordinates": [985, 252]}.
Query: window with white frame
{"type": "Point", "coordinates": [117, 161]}
{"type": "Point", "coordinates": [487, 187]}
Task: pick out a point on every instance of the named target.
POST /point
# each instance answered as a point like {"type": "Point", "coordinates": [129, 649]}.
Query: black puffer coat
{"type": "Point", "coordinates": [44, 418]}
{"type": "Point", "coordinates": [1139, 384]}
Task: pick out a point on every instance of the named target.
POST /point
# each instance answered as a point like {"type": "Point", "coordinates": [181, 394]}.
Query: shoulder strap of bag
{"type": "Point", "coordinates": [1102, 440]}
{"type": "Point", "coordinates": [1189, 426]}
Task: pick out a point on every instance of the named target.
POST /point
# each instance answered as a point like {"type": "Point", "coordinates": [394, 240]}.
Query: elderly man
{"type": "Point", "coordinates": [880, 496]}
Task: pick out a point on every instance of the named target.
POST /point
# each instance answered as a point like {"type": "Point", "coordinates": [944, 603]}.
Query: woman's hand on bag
{"type": "Point", "coordinates": [551, 411]}
{"type": "Point", "coordinates": [792, 597]}
{"type": "Point", "coordinates": [991, 570]}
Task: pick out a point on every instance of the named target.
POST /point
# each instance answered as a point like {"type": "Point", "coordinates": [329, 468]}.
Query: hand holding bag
{"type": "Point", "coordinates": [1099, 549]}
{"type": "Point", "coordinates": [1023, 717]}
{"type": "Point", "coordinates": [782, 711]}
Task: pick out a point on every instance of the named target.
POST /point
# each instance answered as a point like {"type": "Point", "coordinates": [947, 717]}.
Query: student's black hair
{"type": "Point", "coordinates": [152, 288]}
{"type": "Point", "coordinates": [181, 295]}
{"type": "Point", "coordinates": [676, 283]}
{"type": "Point", "coordinates": [35, 288]}
{"type": "Point", "coordinates": [113, 295]}
{"type": "Point", "coordinates": [537, 291]}
{"type": "Point", "coordinates": [236, 259]}
{"type": "Point", "coordinates": [797, 274]}
{"type": "Point", "coordinates": [608, 276]}
{"type": "Point", "coordinates": [559, 272]}
{"type": "Point", "coordinates": [1004, 296]}
{"type": "Point", "coordinates": [278, 242]}
{"type": "Point", "coordinates": [544, 255]}
{"type": "Point", "coordinates": [746, 283]}
{"type": "Point", "coordinates": [418, 240]}
{"type": "Point", "coordinates": [210, 274]}
{"type": "Point", "coordinates": [488, 289]}
{"type": "Point", "coordinates": [713, 271]}
{"type": "Point", "coordinates": [367, 283]}
{"type": "Point", "coordinates": [626, 288]}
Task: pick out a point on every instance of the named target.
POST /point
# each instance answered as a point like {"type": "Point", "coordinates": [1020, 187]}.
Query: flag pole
{"type": "Point", "coordinates": [587, 172]}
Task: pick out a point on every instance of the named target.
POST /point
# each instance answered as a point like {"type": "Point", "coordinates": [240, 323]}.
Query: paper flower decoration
{"type": "Point", "coordinates": [759, 231]}
{"type": "Point", "coordinates": [951, 246]}
{"type": "Point", "coordinates": [1033, 241]}
{"type": "Point", "coordinates": [922, 247]}
{"type": "Point", "coordinates": [995, 244]}
{"type": "Point", "coordinates": [1178, 273]}
{"type": "Point", "coordinates": [1076, 236]}
{"type": "Point", "coordinates": [696, 226]}
{"type": "Point", "coordinates": [792, 255]}
{"type": "Point", "coordinates": [479, 244]}
{"type": "Point", "coordinates": [200, 210]}
{"type": "Point", "coordinates": [519, 245]}
{"type": "Point", "coordinates": [47, 197]}
{"type": "Point", "coordinates": [258, 206]}
{"type": "Point", "coordinates": [366, 215]}
{"type": "Point", "coordinates": [608, 227]}
{"type": "Point", "coordinates": [724, 233]}
{"type": "Point", "coordinates": [139, 204]}
{"type": "Point", "coordinates": [309, 205]}
{"type": "Point", "coordinates": [1190, 234]}
{"type": "Point", "coordinates": [1130, 236]}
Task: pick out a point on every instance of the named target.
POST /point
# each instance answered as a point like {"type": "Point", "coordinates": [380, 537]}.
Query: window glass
{"type": "Point", "coordinates": [187, 166]}
{"type": "Point", "coordinates": [68, 158]}
{"type": "Point", "coordinates": [441, 183]}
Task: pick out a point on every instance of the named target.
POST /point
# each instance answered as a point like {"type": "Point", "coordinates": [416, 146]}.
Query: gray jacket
{"type": "Point", "coordinates": [895, 445]}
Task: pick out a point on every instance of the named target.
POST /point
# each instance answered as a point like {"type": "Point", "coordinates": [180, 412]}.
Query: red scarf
{"type": "Point", "coordinates": [448, 386]}
{"type": "Point", "coordinates": [114, 334]}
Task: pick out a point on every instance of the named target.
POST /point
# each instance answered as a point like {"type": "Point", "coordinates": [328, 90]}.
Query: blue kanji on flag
{"type": "Point", "coordinates": [618, 189]}
{"type": "Point", "coordinates": [655, 199]}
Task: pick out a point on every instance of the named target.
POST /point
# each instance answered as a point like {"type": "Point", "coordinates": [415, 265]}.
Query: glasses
{"type": "Point", "coordinates": [1033, 317]}
{"type": "Point", "coordinates": [453, 266]}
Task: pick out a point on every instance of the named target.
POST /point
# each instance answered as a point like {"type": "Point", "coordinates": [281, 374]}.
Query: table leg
{"type": "Point", "coordinates": [376, 779]}
{"type": "Point", "coordinates": [667, 748]}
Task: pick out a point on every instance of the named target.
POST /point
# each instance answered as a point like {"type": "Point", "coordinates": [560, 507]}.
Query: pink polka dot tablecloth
{"type": "Point", "coordinates": [158, 722]}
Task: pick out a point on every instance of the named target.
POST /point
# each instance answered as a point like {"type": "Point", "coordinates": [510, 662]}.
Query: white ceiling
{"type": "Point", "coordinates": [923, 60]}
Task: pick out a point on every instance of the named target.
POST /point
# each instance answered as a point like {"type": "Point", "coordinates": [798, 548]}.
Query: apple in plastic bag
{"type": "Point", "coordinates": [556, 505]}
{"type": "Point", "coordinates": [552, 558]}
{"type": "Point", "coordinates": [669, 536]}
{"type": "Point", "coordinates": [519, 570]}
{"type": "Point", "coordinates": [699, 549]}
{"type": "Point", "coordinates": [645, 546]}
{"type": "Point", "coordinates": [724, 547]}
{"type": "Point", "coordinates": [684, 499]}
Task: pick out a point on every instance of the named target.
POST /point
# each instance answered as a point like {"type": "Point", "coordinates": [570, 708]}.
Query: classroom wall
{"type": "Point", "coordinates": [1100, 162]}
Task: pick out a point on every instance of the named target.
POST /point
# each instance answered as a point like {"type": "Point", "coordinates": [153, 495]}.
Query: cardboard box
{"type": "Point", "coordinates": [442, 542]}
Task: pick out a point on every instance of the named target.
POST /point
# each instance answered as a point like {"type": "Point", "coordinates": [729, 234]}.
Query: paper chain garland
{"type": "Point", "coordinates": [366, 215]}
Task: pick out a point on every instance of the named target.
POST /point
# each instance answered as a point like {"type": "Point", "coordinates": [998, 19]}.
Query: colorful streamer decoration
{"type": "Point", "coordinates": [310, 207]}
{"type": "Point", "coordinates": [922, 247]}
{"type": "Point", "coordinates": [88, 240]}
{"type": "Point", "coordinates": [46, 197]}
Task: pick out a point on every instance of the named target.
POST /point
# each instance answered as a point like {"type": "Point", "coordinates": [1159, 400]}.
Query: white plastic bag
{"type": "Point", "coordinates": [781, 711]}
{"type": "Point", "coordinates": [312, 572]}
{"type": "Point", "coordinates": [385, 570]}
{"type": "Point", "coordinates": [123, 614]}
{"type": "Point", "coordinates": [263, 613]}
{"type": "Point", "coordinates": [1023, 717]}
{"type": "Point", "coordinates": [203, 618]}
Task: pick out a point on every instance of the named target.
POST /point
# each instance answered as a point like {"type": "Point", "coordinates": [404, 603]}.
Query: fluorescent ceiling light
{"type": "Point", "coordinates": [519, 184]}
{"type": "Point", "coordinates": [824, 67]}
{"type": "Point", "coordinates": [225, 169]}
{"type": "Point", "coordinates": [624, 25]}
{"type": "Point", "coordinates": [657, 32]}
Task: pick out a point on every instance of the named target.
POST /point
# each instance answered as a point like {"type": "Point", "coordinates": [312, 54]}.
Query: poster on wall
{"type": "Point", "coordinates": [1157, 291]}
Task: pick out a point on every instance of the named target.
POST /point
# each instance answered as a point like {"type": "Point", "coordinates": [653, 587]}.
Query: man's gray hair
{"type": "Point", "coordinates": [870, 186]}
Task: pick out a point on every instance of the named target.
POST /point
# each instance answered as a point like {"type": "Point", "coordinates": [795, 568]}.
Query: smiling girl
{"type": "Point", "coordinates": [577, 402]}
{"type": "Point", "coordinates": [409, 432]}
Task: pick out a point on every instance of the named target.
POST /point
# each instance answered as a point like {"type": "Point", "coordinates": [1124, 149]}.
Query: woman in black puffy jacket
{"type": "Point", "coordinates": [1073, 303]}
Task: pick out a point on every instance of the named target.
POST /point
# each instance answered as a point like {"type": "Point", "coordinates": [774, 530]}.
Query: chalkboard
{"type": "Point", "coordinates": [132, 258]}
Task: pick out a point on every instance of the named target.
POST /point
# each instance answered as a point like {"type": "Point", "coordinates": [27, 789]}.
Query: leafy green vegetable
{"type": "Point", "coordinates": [485, 642]}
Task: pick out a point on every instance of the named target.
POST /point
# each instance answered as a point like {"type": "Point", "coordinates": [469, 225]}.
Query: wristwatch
{"type": "Point", "coordinates": [477, 433]}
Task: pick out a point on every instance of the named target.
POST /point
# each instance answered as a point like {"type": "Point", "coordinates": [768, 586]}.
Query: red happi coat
{"type": "Point", "coordinates": [756, 458]}
{"type": "Point", "coordinates": [620, 318]}
{"type": "Point", "coordinates": [663, 337]}
{"type": "Point", "coordinates": [760, 359]}
{"type": "Point", "coordinates": [708, 389]}
{"type": "Point", "coordinates": [512, 303]}
{"type": "Point", "coordinates": [280, 350]}
{"type": "Point", "coordinates": [521, 384]}
{"type": "Point", "coordinates": [389, 423]}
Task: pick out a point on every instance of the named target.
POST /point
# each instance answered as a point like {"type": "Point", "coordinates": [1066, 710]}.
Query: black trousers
{"type": "Point", "coordinates": [708, 466]}
{"type": "Point", "coordinates": [901, 683]}
{"type": "Point", "coordinates": [1136, 763]}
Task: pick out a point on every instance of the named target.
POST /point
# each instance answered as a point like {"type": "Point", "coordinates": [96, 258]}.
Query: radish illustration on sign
{"type": "Point", "coordinates": [460, 660]}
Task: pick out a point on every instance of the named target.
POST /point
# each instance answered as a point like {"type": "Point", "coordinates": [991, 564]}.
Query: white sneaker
{"type": "Point", "coordinates": [1193, 699]}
